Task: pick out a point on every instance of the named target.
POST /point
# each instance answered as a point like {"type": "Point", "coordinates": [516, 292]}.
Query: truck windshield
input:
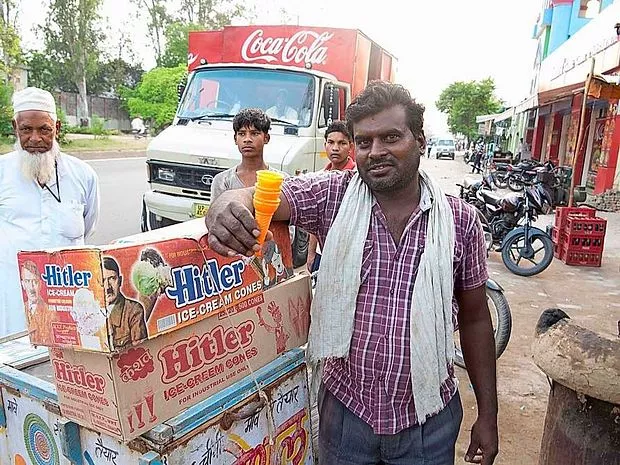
{"type": "Point", "coordinates": [284, 95]}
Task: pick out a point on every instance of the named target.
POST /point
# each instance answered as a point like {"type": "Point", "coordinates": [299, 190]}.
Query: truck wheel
{"type": "Point", "coordinates": [300, 247]}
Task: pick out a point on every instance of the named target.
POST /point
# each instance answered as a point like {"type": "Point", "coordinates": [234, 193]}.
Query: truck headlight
{"type": "Point", "coordinates": [165, 174]}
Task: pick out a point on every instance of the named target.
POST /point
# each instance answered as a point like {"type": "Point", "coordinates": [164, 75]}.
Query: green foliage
{"type": "Point", "coordinates": [155, 98]}
{"type": "Point", "coordinates": [213, 14]}
{"type": "Point", "coordinates": [108, 77]}
{"type": "Point", "coordinates": [97, 126]}
{"type": "Point", "coordinates": [6, 110]}
{"type": "Point", "coordinates": [463, 101]}
{"type": "Point", "coordinates": [92, 130]}
{"type": "Point", "coordinates": [61, 136]}
{"type": "Point", "coordinates": [73, 41]}
{"type": "Point", "coordinates": [114, 74]}
{"type": "Point", "coordinates": [177, 36]}
{"type": "Point", "coordinates": [158, 20]}
{"type": "Point", "coordinates": [10, 48]}
{"type": "Point", "coordinates": [47, 74]}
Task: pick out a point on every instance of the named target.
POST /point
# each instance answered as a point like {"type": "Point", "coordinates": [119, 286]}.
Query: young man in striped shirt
{"type": "Point", "coordinates": [368, 405]}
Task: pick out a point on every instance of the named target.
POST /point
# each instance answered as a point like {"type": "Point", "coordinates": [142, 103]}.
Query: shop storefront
{"type": "Point", "coordinates": [560, 94]}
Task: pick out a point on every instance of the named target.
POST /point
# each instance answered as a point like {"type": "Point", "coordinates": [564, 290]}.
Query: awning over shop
{"type": "Point", "coordinates": [600, 88]}
{"type": "Point", "coordinates": [527, 104]}
{"type": "Point", "coordinates": [505, 115]}
{"type": "Point", "coordinates": [485, 118]}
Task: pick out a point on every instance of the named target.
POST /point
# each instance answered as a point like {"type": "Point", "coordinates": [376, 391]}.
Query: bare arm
{"type": "Point", "coordinates": [478, 344]}
{"type": "Point", "coordinates": [231, 225]}
{"type": "Point", "coordinates": [311, 251]}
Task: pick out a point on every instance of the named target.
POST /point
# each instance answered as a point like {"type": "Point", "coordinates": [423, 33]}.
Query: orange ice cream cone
{"type": "Point", "coordinates": [266, 200]}
{"type": "Point", "coordinates": [270, 180]}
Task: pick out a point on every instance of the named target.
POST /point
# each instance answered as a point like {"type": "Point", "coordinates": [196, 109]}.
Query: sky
{"type": "Point", "coordinates": [436, 42]}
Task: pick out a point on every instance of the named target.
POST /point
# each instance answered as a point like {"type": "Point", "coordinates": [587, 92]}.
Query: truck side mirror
{"type": "Point", "coordinates": [331, 104]}
{"type": "Point", "coordinates": [180, 89]}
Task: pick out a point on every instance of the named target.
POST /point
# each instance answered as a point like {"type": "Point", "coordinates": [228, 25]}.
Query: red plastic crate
{"type": "Point", "coordinates": [561, 213]}
{"type": "Point", "coordinates": [555, 235]}
{"type": "Point", "coordinates": [574, 242]}
{"type": "Point", "coordinates": [578, 258]}
{"type": "Point", "coordinates": [580, 226]}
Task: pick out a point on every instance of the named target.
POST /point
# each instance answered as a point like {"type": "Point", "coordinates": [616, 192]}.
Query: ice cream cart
{"type": "Point", "coordinates": [235, 426]}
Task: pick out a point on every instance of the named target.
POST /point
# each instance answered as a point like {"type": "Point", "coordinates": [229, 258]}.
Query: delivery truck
{"type": "Point", "coordinates": [303, 77]}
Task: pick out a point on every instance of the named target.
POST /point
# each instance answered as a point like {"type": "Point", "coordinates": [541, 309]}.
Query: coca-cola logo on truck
{"type": "Point", "coordinates": [300, 48]}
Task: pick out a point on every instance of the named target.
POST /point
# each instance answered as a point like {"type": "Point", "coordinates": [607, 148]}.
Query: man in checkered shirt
{"type": "Point", "coordinates": [366, 401]}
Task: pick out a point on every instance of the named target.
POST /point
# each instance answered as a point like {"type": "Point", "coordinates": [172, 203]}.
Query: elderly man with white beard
{"type": "Point", "coordinates": [47, 198]}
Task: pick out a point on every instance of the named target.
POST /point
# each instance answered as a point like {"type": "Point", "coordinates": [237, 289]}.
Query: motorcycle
{"type": "Point", "coordinates": [507, 223]}
{"type": "Point", "coordinates": [500, 172]}
{"type": "Point", "coordinates": [469, 190]}
{"type": "Point", "coordinates": [523, 173]}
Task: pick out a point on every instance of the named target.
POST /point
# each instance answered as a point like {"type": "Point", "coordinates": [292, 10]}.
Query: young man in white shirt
{"type": "Point", "coordinates": [251, 127]}
{"type": "Point", "coordinates": [47, 198]}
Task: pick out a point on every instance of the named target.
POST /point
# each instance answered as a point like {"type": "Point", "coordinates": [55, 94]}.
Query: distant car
{"type": "Point", "coordinates": [443, 148]}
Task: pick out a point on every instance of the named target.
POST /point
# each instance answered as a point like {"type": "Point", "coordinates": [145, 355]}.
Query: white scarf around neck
{"type": "Point", "coordinates": [334, 304]}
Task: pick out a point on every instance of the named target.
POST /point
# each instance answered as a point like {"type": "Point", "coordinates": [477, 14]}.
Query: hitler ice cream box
{"type": "Point", "coordinates": [129, 392]}
{"type": "Point", "coordinates": [103, 299]}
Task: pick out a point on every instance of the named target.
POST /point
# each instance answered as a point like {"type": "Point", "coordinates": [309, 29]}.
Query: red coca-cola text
{"type": "Point", "coordinates": [300, 48]}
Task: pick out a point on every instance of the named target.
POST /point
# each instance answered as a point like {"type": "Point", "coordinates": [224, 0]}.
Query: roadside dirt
{"type": "Point", "coordinates": [591, 296]}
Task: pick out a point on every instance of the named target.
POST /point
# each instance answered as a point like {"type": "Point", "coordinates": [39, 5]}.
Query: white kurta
{"type": "Point", "coordinates": [32, 219]}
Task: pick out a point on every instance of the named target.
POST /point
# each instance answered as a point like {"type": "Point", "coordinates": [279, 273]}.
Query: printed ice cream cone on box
{"type": "Point", "coordinates": [105, 299]}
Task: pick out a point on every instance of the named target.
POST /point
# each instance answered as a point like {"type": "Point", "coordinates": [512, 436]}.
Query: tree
{"type": "Point", "coordinates": [47, 74]}
{"type": "Point", "coordinates": [72, 40]}
{"type": "Point", "coordinates": [114, 74]}
{"type": "Point", "coordinates": [177, 36]}
{"type": "Point", "coordinates": [463, 101]}
{"type": "Point", "coordinates": [212, 14]}
{"type": "Point", "coordinates": [155, 98]}
{"type": "Point", "coordinates": [158, 21]}
{"type": "Point", "coordinates": [9, 39]}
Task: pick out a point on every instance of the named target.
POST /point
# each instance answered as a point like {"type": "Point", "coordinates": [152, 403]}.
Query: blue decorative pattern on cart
{"type": "Point", "coordinates": [39, 441]}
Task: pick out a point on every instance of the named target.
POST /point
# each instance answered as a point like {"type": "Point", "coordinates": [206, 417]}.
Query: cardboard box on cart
{"type": "Point", "coordinates": [127, 393]}
{"type": "Point", "coordinates": [124, 387]}
{"type": "Point", "coordinates": [103, 299]}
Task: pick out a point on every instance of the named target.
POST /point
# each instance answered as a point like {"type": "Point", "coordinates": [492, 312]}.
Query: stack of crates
{"type": "Point", "coordinates": [579, 236]}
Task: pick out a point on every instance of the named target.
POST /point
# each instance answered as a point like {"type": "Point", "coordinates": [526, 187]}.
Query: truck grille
{"type": "Point", "coordinates": [194, 180]}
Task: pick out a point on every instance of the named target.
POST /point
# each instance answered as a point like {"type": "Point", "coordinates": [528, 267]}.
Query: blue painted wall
{"type": "Point", "coordinates": [576, 22]}
{"type": "Point", "coordinates": [560, 24]}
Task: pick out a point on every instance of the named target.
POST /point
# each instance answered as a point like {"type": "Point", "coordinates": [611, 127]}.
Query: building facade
{"type": "Point", "coordinates": [571, 34]}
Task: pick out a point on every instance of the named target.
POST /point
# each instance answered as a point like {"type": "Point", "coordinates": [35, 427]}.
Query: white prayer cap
{"type": "Point", "coordinates": [33, 98]}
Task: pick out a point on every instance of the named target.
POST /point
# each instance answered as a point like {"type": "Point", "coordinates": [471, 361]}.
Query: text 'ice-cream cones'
{"type": "Point", "coordinates": [266, 199]}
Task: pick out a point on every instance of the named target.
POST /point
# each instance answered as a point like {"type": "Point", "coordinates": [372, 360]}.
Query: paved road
{"type": "Point", "coordinates": [122, 183]}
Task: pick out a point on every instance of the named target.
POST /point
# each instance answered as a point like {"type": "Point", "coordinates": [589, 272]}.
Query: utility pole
{"type": "Point", "coordinates": [580, 134]}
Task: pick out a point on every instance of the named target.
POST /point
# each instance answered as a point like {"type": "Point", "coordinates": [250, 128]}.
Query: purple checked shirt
{"type": "Point", "coordinates": [374, 382]}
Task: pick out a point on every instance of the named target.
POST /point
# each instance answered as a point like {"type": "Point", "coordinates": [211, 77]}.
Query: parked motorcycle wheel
{"type": "Point", "coordinates": [500, 180]}
{"type": "Point", "coordinates": [515, 251]}
{"type": "Point", "coordinates": [515, 184]}
{"type": "Point", "coordinates": [300, 247]}
{"type": "Point", "coordinates": [502, 325]}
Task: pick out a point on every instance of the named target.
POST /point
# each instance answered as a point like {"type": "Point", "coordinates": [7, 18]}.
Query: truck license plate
{"type": "Point", "coordinates": [199, 209]}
